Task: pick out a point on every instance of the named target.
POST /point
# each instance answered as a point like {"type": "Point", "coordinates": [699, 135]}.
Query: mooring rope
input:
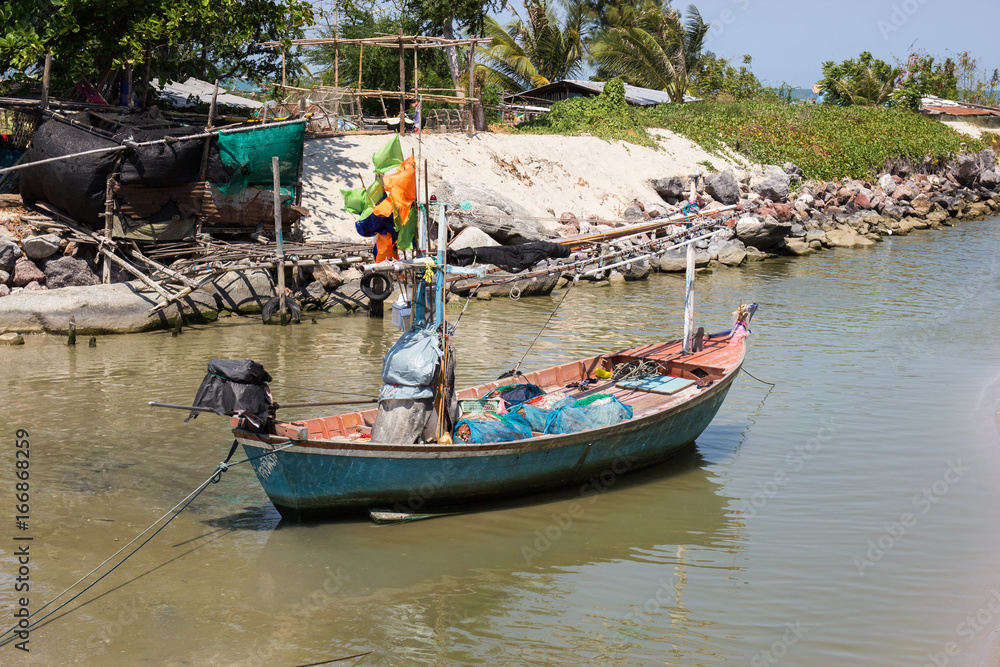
{"type": "Point", "coordinates": [514, 371]}
{"type": "Point", "coordinates": [214, 478]}
{"type": "Point", "coordinates": [772, 384]}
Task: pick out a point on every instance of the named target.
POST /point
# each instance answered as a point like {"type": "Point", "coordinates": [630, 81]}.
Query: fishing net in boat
{"type": "Point", "coordinates": [234, 387]}
{"type": "Point", "coordinates": [587, 413]}
{"type": "Point", "coordinates": [492, 428]}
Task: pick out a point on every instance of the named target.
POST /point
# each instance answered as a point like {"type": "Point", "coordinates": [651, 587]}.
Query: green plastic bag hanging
{"type": "Point", "coordinates": [354, 200]}
{"type": "Point", "coordinates": [360, 201]}
{"type": "Point", "coordinates": [389, 156]}
{"type": "Point", "coordinates": [373, 195]}
{"type": "Point", "coordinates": [407, 230]}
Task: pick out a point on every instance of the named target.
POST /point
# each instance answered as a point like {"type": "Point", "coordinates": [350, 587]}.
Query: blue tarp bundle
{"type": "Point", "coordinates": [502, 429]}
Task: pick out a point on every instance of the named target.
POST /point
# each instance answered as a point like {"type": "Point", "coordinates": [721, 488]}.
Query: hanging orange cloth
{"type": "Point", "coordinates": [385, 248]}
{"type": "Point", "coordinates": [401, 189]}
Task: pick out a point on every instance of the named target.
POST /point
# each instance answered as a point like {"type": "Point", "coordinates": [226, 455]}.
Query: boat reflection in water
{"type": "Point", "coordinates": [616, 549]}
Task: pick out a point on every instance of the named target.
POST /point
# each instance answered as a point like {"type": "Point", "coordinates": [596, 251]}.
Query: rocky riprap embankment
{"type": "Point", "coordinates": [779, 214]}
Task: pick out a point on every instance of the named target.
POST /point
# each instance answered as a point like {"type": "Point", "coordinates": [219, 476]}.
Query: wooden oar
{"type": "Point", "coordinates": [276, 406]}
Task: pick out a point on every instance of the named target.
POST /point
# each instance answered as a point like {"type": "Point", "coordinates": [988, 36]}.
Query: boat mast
{"type": "Point", "coordinates": [689, 298]}
{"type": "Point", "coordinates": [442, 242]}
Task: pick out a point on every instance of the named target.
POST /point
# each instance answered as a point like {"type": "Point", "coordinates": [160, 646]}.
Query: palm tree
{"type": "Point", "coordinates": [532, 53]}
{"type": "Point", "coordinates": [867, 81]}
{"type": "Point", "coordinates": [652, 46]}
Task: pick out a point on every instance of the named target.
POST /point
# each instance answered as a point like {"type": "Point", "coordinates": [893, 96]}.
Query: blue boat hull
{"type": "Point", "coordinates": [315, 479]}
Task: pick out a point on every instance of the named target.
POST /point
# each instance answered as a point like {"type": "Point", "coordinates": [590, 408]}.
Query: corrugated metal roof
{"type": "Point", "coordinates": [961, 111]}
{"type": "Point", "coordinates": [633, 94]}
{"type": "Point", "coordinates": [179, 93]}
{"type": "Point", "coordinates": [935, 104]}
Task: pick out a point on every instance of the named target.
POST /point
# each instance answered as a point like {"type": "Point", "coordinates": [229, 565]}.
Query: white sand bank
{"type": "Point", "coordinates": [547, 174]}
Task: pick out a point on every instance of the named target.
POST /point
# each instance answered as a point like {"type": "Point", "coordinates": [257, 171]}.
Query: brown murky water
{"type": "Point", "coordinates": [849, 516]}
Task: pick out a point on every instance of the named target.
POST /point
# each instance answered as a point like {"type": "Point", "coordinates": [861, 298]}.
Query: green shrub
{"type": "Point", "coordinates": [827, 142]}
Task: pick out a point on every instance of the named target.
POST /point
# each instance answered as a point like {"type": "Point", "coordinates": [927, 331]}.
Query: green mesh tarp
{"type": "Point", "coordinates": [248, 154]}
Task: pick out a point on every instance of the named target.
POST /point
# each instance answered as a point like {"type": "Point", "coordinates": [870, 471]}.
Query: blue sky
{"type": "Point", "coordinates": [789, 40]}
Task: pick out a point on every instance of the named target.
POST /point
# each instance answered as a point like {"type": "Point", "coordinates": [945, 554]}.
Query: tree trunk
{"type": "Point", "coordinates": [451, 55]}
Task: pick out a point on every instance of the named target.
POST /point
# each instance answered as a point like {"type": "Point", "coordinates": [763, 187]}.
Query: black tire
{"type": "Point", "coordinates": [376, 286]}
{"type": "Point", "coordinates": [271, 307]}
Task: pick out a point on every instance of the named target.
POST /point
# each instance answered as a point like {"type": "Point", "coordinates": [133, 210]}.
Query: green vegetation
{"type": "Point", "coordinates": [866, 81]}
{"type": "Point", "coordinates": [825, 141]}
{"type": "Point", "coordinates": [97, 40]}
{"type": "Point", "coordinates": [533, 52]}
{"type": "Point", "coordinates": [651, 46]}
{"type": "Point", "coordinates": [607, 116]}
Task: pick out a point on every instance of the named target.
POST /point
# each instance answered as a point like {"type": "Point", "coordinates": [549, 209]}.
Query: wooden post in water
{"type": "Point", "coordinates": [72, 331]}
{"type": "Point", "coordinates": [689, 298]}
{"type": "Point", "coordinates": [205, 152]}
{"type": "Point", "coordinates": [108, 226]}
{"type": "Point", "coordinates": [279, 252]}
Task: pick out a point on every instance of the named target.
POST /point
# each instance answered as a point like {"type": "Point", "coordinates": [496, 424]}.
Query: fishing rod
{"type": "Point", "coordinates": [274, 406]}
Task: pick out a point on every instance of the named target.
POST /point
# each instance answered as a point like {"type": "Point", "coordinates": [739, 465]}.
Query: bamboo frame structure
{"type": "Point", "coordinates": [466, 99]}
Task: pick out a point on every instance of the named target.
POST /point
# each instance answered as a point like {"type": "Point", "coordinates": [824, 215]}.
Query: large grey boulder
{"type": "Point", "coordinates": [497, 215]}
{"type": "Point", "coordinates": [242, 291]}
{"type": "Point", "coordinates": [887, 183]}
{"type": "Point", "coordinates": [762, 234]}
{"type": "Point", "coordinates": [676, 260]}
{"type": "Point", "coordinates": [115, 308]}
{"type": "Point", "coordinates": [637, 270]}
{"type": "Point", "coordinates": [669, 187]}
{"type": "Point", "coordinates": [989, 179]}
{"type": "Point", "coordinates": [68, 272]}
{"type": "Point", "coordinates": [10, 252]}
{"type": "Point", "coordinates": [732, 252]}
{"type": "Point", "coordinates": [328, 276]}
{"type": "Point", "coordinates": [773, 185]}
{"type": "Point", "coordinates": [472, 237]}
{"type": "Point", "coordinates": [965, 169]}
{"type": "Point", "coordinates": [724, 187]}
{"type": "Point", "coordinates": [40, 247]}
{"type": "Point", "coordinates": [845, 237]}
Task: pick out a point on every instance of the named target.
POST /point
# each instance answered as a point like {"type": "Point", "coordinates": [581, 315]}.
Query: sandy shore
{"type": "Point", "coordinates": [546, 174]}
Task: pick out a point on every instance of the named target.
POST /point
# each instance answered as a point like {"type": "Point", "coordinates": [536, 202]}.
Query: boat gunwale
{"type": "Point", "coordinates": [353, 447]}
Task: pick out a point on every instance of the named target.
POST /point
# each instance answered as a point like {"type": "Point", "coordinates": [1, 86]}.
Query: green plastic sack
{"type": "Point", "coordinates": [389, 156]}
{"type": "Point", "coordinates": [360, 201]}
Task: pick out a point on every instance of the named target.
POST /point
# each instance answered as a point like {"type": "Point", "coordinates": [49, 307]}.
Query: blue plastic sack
{"type": "Point", "coordinates": [502, 429]}
{"type": "Point", "coordinates": [571, 418]}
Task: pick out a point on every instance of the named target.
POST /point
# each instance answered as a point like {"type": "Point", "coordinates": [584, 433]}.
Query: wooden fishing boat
{"type": "Point", "coordinates": [329, 466]}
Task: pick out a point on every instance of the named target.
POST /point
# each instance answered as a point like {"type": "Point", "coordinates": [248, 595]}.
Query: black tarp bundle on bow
{"type": "Point", "coordinates": [513, 258]}
{"type": "Point", "coordinates": [234, 386]}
